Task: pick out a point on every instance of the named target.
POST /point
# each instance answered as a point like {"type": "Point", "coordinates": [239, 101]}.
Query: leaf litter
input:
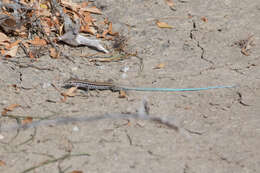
{"type": "Point", "coordinates": [47, 23]}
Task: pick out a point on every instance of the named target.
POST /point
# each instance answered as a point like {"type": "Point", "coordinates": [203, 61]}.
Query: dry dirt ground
{"type": "Point", "coordinates": [219, 129]}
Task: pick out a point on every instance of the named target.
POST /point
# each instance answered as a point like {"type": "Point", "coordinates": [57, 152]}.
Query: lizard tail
{"type": "Point", "coordinates": [176, 89]}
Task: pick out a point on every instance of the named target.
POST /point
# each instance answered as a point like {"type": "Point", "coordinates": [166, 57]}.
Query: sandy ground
{"type": "Point", "coordinates": [220, 129]}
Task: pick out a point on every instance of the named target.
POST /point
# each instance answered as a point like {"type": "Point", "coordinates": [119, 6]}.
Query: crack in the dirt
{"type": "Point", "coordinates": [240, 99]}
{"type": "Point", "coordinates": [202, 56]}
{"type": "Point", "coordinates": [237, 71]}
{"type": "Point", "coordinates": [20, 76]}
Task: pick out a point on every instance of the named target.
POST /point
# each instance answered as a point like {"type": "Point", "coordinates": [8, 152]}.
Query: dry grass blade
{"type": "Point", "coordinates": [163, 25]}
{"type": "Point", "coordinates": [9, 108]}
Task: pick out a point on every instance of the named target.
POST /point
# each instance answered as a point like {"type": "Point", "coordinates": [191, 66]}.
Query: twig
{"type": "Point", "coordinates": [66, 120]}
{"type": "Point", "coordinates": [66, 156]}
{"type": "Point", "coordinates": [28, 140]}
{"type": "Point", "coordinates": [36, 67]}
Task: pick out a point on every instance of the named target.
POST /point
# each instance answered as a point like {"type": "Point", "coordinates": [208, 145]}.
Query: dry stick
{"type": "Point", "coordinates": [18, 121]}
{"type": "Point", "coordinates": [28, 140]}
{"type": "Point", "coordinates": [54, 160]}
{"type": "Point", "coordinates": [66, 120]}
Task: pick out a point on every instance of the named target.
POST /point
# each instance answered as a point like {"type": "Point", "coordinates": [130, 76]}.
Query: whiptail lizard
{"type": "Point", "coordinates": [89, 85]}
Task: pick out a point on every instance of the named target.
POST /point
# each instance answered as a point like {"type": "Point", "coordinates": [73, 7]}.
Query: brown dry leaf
{"type": "Point", "coordinates": [88, 29]}
{"type": "Point", "coordinates": [98, 35]}
{"type": "Point", "coordinates": [244, 52]}
{"type": "Point", "coordinates": [163, 25]}
{"type": "Point", "coordinates": [2, 163]}
{"type": "Point", "coordinates": [159, 66]}
{"type": "Point", "coordinates": [15, 87]}
{"type": "Point", "coordinates": [87, 17]}
{"type": "Point", "coordinates": [76, 171]}
{"type": "Point", "coordinates": [110, 30]}
{"type": "Point", "coordinates": [27, 120]}
{"type": "Point", "coordinates": [12, 52]}
{"type": "Point", "coordinates": [2, 51]}
{"type": "Point", "coordinates": [93, 9]}
{"type": "Point", "coordinates": [53, 53]}
{"type": "Point", "coordinates": [10, 46]}
{"type": "Point", "coordinates": [105, 32]}
{"type": "Point", "coordinates": [9, 108]}
{"type": "Point", "coordinates": [69, 93]}
{"type": "Point", "coordinates": [187, 108]}
{"type": "Point", "coordinates": [204, 19]}
{"type": "Point", "coordinates": [38, 42]}
{"type": "Point", "coordinates": [170, 3]}
{"type": "Point", "coordinates": [122, 94]}
{"type": "Point", "coordinates": [4, 39]}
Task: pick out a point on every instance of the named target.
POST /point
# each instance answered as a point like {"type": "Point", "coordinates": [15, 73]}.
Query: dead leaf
{"type": "Point", "coordinates": [122, 94]}
{"type": "Point", "coordinates": [15, 87]}
{"type": "Point", "coordinates": [69, 93]}
{"type": "Point", "coordinates": [163, 25]}
{"type": "Point", "coordinates": [87, 17]}
{"type": "Point", "coordinates": [2, 163]}
{"type": "Point", "coordinates": [88, 29]}
{"type": "Point", "coordinates": [27, 120]}
{"type": "Point", "coordinates": [244, 52]}
{"type": "Point", "coordinates": [204, 19]}
{"type": "Point", "coordinates": [53, 53]}
{"type": "Point", "coordinates": [159, 66]}
{"type": "Point", "coordinates": [170, 3]}
{"type": "Point", "coordinates": [10, 46]}
{"type": "Point", "coordinates": [105, 32]}
{"type": "Point", "coordinates": [4, 39]}
{"type": "Point", "coordinates": [12, 52]}
{"type": "Point", "coordinates": [2, 51]}
{"type": "Point", "coordinates": [110, 30]}
{"type": "Point", "coordinates": [93, 9]}
{"type": "Point", "coordinates": [187, 108]}
{"type": "Point", "coordinates": [9, 108]}
{"type": "Point", "coordinates": [38, 42]}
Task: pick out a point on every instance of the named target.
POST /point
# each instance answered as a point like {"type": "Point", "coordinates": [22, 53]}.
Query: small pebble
{"type": "Point", "coordinates": [1, 137]}
{"type": "Point", "coordinates": [75, 129]}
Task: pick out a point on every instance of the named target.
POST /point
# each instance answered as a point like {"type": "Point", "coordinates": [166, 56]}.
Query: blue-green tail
{"type": "Point", "coordinates": [176, 89]}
